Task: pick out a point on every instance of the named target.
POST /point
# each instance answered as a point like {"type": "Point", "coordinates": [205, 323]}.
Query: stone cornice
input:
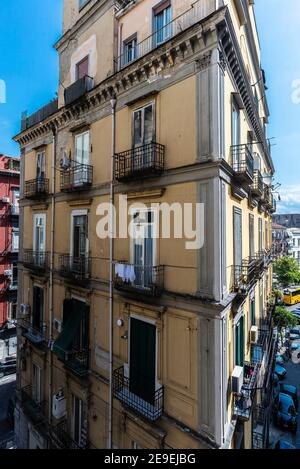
{"type": "Point", "coordinates": [191, 44]}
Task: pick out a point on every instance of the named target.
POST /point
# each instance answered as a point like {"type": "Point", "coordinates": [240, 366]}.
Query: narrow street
{"type": "Point", "coordinates": [7, 387]}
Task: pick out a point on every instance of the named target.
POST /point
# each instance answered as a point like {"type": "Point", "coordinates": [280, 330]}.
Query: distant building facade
{"type": "Point", "coordinates": [282, 242]}
{"type": "Point", "coordinates": [294, 236]}
{"type": "Point", "coordinates": [289, 221]}
{"type": "Point", "coordinates": [9, 247]}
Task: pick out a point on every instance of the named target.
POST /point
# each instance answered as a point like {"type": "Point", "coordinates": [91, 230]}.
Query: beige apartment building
{"type": "Point", "coordinates": [142, 342]}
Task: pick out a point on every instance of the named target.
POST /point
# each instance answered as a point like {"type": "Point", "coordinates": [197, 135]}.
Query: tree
{"type": "Point", "coordinates": [287, 270]}
{"type": "Point", "coordinates": [276, 297]}
{"type": "Point", "coordinates": [283, 319]}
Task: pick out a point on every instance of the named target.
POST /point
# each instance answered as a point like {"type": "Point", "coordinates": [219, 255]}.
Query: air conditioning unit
{"type": "Point", "coordinates": [237, 379]}
{"type": "Point", "coordinates": [8, 273]}
{"type": "Point", "coordinates": [5, 200]}
{"type": "Point", "coordinates": [59, 406]}
{"type": "Point", "coordinates": [57, 325]}
{"type": "Point", "coordinates": [254, 335]}
{"type": "Point", "coordinates": [24, 310]}
{"type": "Point", "coordinates": [65, 161]}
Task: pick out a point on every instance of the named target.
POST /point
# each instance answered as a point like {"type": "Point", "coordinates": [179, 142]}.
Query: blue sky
{"type": "Point", "coordinates": [29, 67]}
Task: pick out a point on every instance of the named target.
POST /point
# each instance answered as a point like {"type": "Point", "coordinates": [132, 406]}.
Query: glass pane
{"type": "Point", "coordinates": [138, 138]}
{"type": "Point", "coordinates": [78, 149]}
{"type": "Point", "coordinates": [148, 130]}
{"type": "Point", "coordinates": [86, 148]}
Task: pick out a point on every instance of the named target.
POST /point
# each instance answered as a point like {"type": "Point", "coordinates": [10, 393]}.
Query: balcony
{"type": "Point", "coordinates": [36, 411]}
{"type": "Point", "coordinates": [77, 269]}
{"type": "Point", "coordinates": [243, 402]}
{"type": "Point", "coordinates": [121, 390]}
{"type": "Point", "coordinates": [78, 89]}
{"type": "Point", "coordinates": [198, 11]}
{"type": "Point", "coordinates": [147, 280]}
{"type": "Point", "coordinates": [79, 177]}
{"type": "Point", "coordinates": [36, 188]}
{"type": "Point", "coordinates": [245, 276]}
{"type": "Point", "coordinates": [40, 115]}
{"type": "Point", "coordinates": [141, 162]}
{"type": "Point", "coordinates": [242, 163]}
{"type": "Point", "coordinates": [257, 188]}
{"type": "Point", "coordinates": [62, 438]}
{"type": "Point", "coordinates": [35, 335]}
{"type": "Point", "coordinates": [77, 362]}
{"type": "Point", "coordinates": [261, 424]}
{"type": "Point", "coordinates": [36, 261]}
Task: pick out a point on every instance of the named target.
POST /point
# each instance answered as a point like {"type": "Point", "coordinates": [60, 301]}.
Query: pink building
{"type": "Point", "coordinates": [9, 236]}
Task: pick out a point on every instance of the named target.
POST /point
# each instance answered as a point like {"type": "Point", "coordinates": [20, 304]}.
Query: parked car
{"type": "Point", "coordinates": [280, 372]}
{"type": "Point", "coordinates": [282, 444]}
{"type": "Point", "coordinates": [279, 360]}
{"type": "Point", "coordinates": [285, 414]}
{"type": "Point", "coordinates": [290, 391]}
{"type": "Point", "coordinates": [8, 368]}
{"type": "Point", "coordinates": [294, 347]}
{"type": "Point", "coordinates": [295, 330]}
{"type": "Point", "coordinates": [294, 337]}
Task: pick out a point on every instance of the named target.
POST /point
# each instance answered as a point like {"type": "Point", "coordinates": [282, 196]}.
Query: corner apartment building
{"type": "Point", "coordinates": [282, 241]}
{"type": "Point", "coordinates": [294, 245]}
{"type": "Point", "coordinates": [143, 343]}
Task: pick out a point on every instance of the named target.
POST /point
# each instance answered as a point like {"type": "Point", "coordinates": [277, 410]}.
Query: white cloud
{"type": "Point", "coordinates": [290, 199]}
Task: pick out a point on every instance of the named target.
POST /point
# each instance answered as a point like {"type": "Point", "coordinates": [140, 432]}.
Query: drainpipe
{"type": "Point", "coordinates": [53, 180]}
{"type": "Point", "coordinates": [113, 103]}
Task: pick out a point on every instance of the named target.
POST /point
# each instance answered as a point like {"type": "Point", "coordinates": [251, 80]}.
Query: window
{"type": "Point", "coordinates": [79, 246]}
{"type": "Point", "coordinates": [266, 235]}
{"type": "Point", "coordinates": [252, 311]}
{"type": "Point", "coordinates": [79, 423]}
{"type": "Point", "coordinates": [15, 240]}
{"type": "Point", "coordinates": [15, 199]}
{"type": "Point", "coordinates": [13, 311]}
{"type": "Point", "coordinates": [260, 240]}
{"type": "Point", "coordinates": [38, 309]}
{"type": "Point", "coordinates": [162, 22]}
{"type": "Point", "coordinates": [143, 125]}
{"type": "Point", "coordinates": [82, 148]}
{"type": "Point", "coordinates": [142, 366]}
{"type": "Point", "coordinates": [41, 165]}
{"type": "Point", "coordinates": [14, 279]}
{"type": "Point", "coordinates": [82, 68]}
{"type": "Point", "coordinates": [36, 388]}
{"type": "Point", "coordinates": [82, 3]}
{"type": "Point", "coordinates": [143, 247]}
{"type": "Point", "coordinates": [237, 235]}
{"type": "Point", "coordinates": [239, 343]}
{"type": "Point", "coordinates": [235, 123]}
{"type": "Point", "coordinates": [39, 238]}
{"type": "Point", "coordinates": [130, 49]}
{"type": "Point", "coordinates": [251, 235]}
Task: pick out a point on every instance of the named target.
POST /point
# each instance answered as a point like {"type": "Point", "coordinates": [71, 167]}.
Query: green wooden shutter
{"type": "Point", "coordinates": [142, 359]}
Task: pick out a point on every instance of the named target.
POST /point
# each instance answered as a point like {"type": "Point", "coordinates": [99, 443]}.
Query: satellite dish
{"type": "Point", "coordinates": [65, 161]}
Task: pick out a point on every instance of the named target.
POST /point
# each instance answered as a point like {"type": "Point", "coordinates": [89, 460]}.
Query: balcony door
{"type": "Point", "coordinates": [39, 239]}
{"type": "Point", "coordinates": [78, 429]}
{"type": "Point", "coordinates": [235, 134]}
{"type": "Point", "coordinates": [38, 309]}
{"type": "Point", "coordinates": [37, 387]}
{"type": "Point", "coordinates": [143, 135]}
{"type": "Point", "coordinates": [162, 22]}
{"type": "Point", "coordinates": [143, 247]}
{"type": "Point", "coordinates": [142, 367]}
{"type": "Point", "coordinates": [237, 238]}
{"type": "Point", "coordinates": [79, 246]}
{"type": "Point", "coordinates": [240, 342]}
{"type": "Point", "coordinates": [82, 159]}
{"type": "Point", "coordinates": [41, 171]}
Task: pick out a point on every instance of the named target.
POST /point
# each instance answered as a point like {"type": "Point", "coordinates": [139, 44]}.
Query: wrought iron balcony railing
{"type": "Point", "coordinates": [63, 439]}
{"type": "Point", "coordinates": [199, 10]}
{"type": "Point", "coordinates": [148, 280]}
{"type": "Point", "coordinates": [78, 177]}
{"type": "Point", "coordinates": [261, 425]}
{"type": "Point", "coordinates": [33, 407]}
{"type": "Point", "coordinates": [245, 275]}
{"type": "Point", "coordinates": [244, 401]}
{"type": "Point", "coordinates": [78, 89]}
{"type": "Point", "coordinates": [143, 161]}
{"type": "Point", "coordinates": [77, 361]}
{"type": "Point", "coordinates": [258, 184]}
{"type": "Point", "coordinates": [75, 268]}
{"type": "Point", "coordinates": [36, 335]}
{"type": "Point", "coordinates": [37, 261]}
{"type": "Point", "coordinates": [242, 163]}
{"type": "Point", "coordinates": [122, 391]}
{"type": "Point", "coordinates": [36, 188]}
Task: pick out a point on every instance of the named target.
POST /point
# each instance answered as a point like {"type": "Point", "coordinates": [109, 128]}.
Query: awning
{"type": "Point", "coordinates": [65, 339]}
